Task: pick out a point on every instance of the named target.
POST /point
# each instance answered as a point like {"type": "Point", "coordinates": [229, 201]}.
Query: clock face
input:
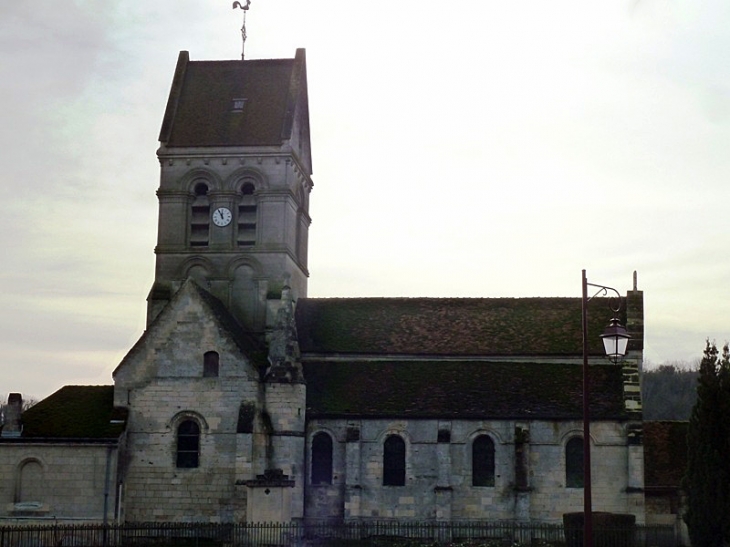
{"type": "Point", "coordinates": [222, 216]}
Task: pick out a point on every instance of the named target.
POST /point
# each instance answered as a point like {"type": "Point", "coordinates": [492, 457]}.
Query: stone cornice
{"type": "Point", "coordinates": [226, 156]}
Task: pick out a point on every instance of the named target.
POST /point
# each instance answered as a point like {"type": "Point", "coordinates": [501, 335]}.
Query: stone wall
{"type": "Point", "coordinates": [57, 481]}
{"type": "Point", "coordinates": [286, 407]}
{"type": "Point", "coordinates": [240, 276]}
{"type": "Point", "coordinates": [438, 474]}
{"type": "Point", "coordinates": [161, 381]}
{"type": "Point", "coordinates": [155, 489]}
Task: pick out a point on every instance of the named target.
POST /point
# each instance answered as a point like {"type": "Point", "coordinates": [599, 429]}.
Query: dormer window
{"type": "Point", "coordinates": [238, 105]}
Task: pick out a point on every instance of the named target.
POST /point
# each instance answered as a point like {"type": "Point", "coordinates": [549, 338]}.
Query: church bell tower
{"type": "Point", "coordinates": [235, 180]}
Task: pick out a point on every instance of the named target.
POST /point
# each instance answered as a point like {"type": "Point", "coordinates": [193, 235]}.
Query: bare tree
{"type": "Point", "coordinates": [27, 403]}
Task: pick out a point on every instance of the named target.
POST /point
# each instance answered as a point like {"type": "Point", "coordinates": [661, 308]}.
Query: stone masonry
{"type": "Point", "coordinates": [438, 484]}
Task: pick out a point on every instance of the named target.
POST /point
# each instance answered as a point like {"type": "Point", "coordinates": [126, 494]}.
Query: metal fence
{"type": "Point", "coordinates": [328, 534]}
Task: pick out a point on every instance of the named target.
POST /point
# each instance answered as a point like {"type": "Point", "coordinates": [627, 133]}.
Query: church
{"type": "Point", "coordinates": [245, 400]}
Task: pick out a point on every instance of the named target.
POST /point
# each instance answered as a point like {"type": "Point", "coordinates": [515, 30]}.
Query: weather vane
{"type": "Point", "coordinates": [243, 28]}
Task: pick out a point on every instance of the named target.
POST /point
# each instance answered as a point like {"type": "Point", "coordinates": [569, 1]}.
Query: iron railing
{"type": "Point", "coordinates": [328, 534]}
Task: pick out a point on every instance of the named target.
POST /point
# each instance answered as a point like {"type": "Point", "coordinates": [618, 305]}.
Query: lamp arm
{"type": "Point", "coordinates": [603, 290]}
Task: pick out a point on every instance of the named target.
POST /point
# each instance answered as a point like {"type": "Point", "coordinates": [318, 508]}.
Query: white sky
{"type": "Point", "coordinates": [464, 148]}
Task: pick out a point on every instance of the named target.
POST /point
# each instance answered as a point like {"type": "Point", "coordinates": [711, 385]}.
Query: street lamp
{"type": "Point", "coordinates": [615, 340]}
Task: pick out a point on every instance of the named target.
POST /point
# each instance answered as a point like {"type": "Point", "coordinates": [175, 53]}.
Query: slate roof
{"type": "Point", "coordinates": [463, 389]}
{"type": "Point", "coordinates": [665, 453]}
{"type": "Point", "coordinates": [200, 106]}
{"type": "Point", "coordinates": [75, 413]}
{"type": "Point", "coordinates": [450, 326]}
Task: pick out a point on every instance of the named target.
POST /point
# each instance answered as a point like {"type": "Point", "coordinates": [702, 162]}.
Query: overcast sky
{"type": "Point", "coordinates": [465, 148]}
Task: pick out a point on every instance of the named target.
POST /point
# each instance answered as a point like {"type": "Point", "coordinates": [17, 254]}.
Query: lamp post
{"type": "Point", "coordinates": [615, 340]}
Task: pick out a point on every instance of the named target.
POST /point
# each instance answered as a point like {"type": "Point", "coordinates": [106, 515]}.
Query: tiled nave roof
{"type": "Point", "coordinates": [450, 326]}
{"type": "Point", "coordinates": [461, 389]}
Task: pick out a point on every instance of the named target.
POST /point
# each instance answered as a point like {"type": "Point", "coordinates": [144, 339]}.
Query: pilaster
{"type": "Point", "coordinates": [353, 489]}
{"type": "Point", "coordinates": [443, 490]}
{"type": "Point", "coordinates": [522, 472]}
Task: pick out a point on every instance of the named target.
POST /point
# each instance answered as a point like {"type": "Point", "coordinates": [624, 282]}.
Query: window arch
{"type": "Point", "coordinates": [574, 463]}
{"type": "Point", "coordinates": [200, 216]}
{"type": "Point", "coordinates": [188, 444]}
{"type": "Point", "coordinates": [210, 364]}
{"type": "Point", "coordinates": [247, 212]}
{"type": "Point", "coordinates": [482, 461]}
{"type": "Point", "coordinates": [30, 486]}
{"type": "Point", "coordinates": [199, 272]}
{"type": "Point", "coordinates": [394, 461]}
{"type": "Point", "coordinates": [322, 459]}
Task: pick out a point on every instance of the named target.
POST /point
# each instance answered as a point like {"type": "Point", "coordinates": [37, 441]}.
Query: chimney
{"type": "Point", "coordinates": [13, 410]}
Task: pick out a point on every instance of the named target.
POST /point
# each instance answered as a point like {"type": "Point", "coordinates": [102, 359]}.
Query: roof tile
{"type": "Point", "coordinates": [75, 412]}
{"type": "Point", "coordinates": [450, 326]}
{"type": "Point", "coordinates": [463, 389]}
{"type": "Point", "coordinates": [204, 114]}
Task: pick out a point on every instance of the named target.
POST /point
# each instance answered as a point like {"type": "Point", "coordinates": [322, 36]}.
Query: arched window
{"type": "Point", "coordinates": [210, 364]}
{"type": "Point", "coordinates": [188, 444]}
{"type": "Point", "coordinates": [322, 459]}
{"type": "Point", "coordinates": [574, 463]}
{"type": "Point", "coordinates": [247, 212]}
{"type": "Point", "coordinates": [394, 461]}
{"type": "Point", "coordinates": [200, 216]}
{"type": "Point", "coordinates": [482, 461]}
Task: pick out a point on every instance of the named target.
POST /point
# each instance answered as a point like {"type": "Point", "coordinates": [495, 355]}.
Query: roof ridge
{"type": "Point", "coordinates": [247, 61]}
{"type": "Point", "coordinates": [441, 298]}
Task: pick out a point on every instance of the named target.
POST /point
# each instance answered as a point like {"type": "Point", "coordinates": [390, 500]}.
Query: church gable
{"type": "Point", "coordinates": [192, 386]}
{"type": "Point", "coordinates": [194, 336]}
